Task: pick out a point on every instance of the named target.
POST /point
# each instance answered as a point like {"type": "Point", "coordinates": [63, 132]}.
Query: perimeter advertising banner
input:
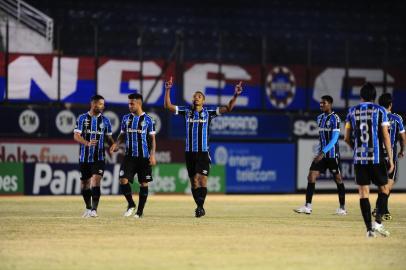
{"type": "Point", "coordinates": [11, 178]}
{"type": "Point", "coordinates": [256, 168]}
{"type": "Point", "coordinates": [241, 126]}
{"type": "Point", "coordinates": [67, 151]}
{"type": "Point", "coordinates": [60, 123]}
{"type": "Point", "coordinates": [34, 78]}
{"type": "Point", "coordinates": [307, 150]}
{"type": "Point", "coordinates": [64, 179]}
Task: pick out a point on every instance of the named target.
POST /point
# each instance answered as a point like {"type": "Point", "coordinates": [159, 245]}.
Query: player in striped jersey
{"type": "Point", "coordinates": [197, 119]}
{"type": "Point", "coordinates": [366, 131]}
{"type": "Point", "coordinates": [396, 133]}
{"type": "Point", "coordinates": [328, 157]}
{"type": "Point", "coordinates": [137, 130]}
{"type": "Point", "coordinates": [92, 128]}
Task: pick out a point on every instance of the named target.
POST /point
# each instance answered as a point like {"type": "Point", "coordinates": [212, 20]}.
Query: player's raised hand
{"type": "Point", "coordinates": [238, 89]}
{"type": "Point", "coordinates": [113, 148]}
{"type": "Point", "coordinates": [169, 83]}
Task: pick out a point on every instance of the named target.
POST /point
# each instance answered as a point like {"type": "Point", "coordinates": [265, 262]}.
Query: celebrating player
{"type": "Point", "coordinates": [197, 120]}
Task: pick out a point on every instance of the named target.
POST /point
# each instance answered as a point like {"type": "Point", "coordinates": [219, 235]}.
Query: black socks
{"type": "Point", "coordinates": [366, 212]}
{"type": "Point", "coordinates": [201, 193]}
{"type": "Point", "coordinates": [142, 199]}
{"type": "Point", "coordinates": [126, 191]}
{"type": "Point", "coordinates": [310, 192]}
{"type": "Point", "coordinates": [87, 196]}
{"type": "Point", "coordinates": [95, 197]}
{"type": "Point", "coordinates": [341, 194]}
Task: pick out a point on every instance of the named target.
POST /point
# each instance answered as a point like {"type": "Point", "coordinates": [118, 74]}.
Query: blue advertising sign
{"type": "Point", "coordinates": [241, 126]}
{"type": "Point", "coordinates": [257, 167]}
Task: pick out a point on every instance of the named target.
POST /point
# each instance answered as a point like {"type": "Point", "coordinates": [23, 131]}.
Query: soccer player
{"type": "Point", "coordinates": [396, 133]}
{"type": "Point", "coordinates": [137, 130]}
{"type": "Point", "coordinates": [92, 128]}
{"type": "Point", "coordinates": [328, 156]}
{"type": "Point", "coordinates": [197, 120]}
{"type": "Point", "coordinates": [366, 131]}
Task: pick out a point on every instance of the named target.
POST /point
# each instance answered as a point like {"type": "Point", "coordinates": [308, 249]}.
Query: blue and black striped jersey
{"type": "Point", "coordinates": [92, 128]}
{"type": "Point", "coordinates": [395, 128]}
{"type": "Point", "coordinates": [197, 127]}
{"type": "Point", "coordinates": [328, 123]}
{"type": "Point", "coordinates": [366, 120]}
{"type": "Point", "coordinates": [136, 128]}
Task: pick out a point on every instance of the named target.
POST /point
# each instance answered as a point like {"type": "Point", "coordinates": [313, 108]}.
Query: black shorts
{"type": "Point", "coordinates": [197, 162]}
{"type": "Point", "coordinates": [393, 175]}
{"type": "Point", "coordinates": [333, 164]}
{"type": "Point", "coordinates": [136, 165]}
{"type": "Point", "coordinates": [91, 168]}
{"type": "Point", "coordinates": [375, 173]}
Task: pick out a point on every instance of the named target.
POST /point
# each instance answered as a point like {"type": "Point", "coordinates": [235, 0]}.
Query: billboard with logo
{"type": "Point", "coordinates": [64, 179]}
{"type": "Point", "coordinates": [11, 178]}
{"type": "Point", "coordinates": [60, 123]}
{"type": "Point", "coordinates": [34, 78]}
{"type": "Point", "coordinates": [308, 149]}
{"type": "Point", "coordinates": [256, 168]}
{"type": "Point", "coordinates": [67, 151]}
{"type": "Point", "coordinates": [241, 126]}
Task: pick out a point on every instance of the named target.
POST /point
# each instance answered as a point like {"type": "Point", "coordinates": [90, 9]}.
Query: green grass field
{"type": "Point", "coordinates": [238, 232]}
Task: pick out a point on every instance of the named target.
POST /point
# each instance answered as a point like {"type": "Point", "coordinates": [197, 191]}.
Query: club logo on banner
{"type": "Point", "coordinates": [114, 120]}
{"type": "Point", "coordinates": [281, 87]}
{"type": "Point", "coordinates": [65, 121]}
{"type": "Point", "coordinates": [29, 121]}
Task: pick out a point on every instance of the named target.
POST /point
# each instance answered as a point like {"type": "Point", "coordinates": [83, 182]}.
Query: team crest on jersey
{"type": "Point", "coordinates": [121, 172]}
{"type": "Point", "coordinates": [86, 123]}
{"type": "Point", "coordinates": [143, 123]}
{"type": "Point", "coordinates": [101, 126]}
{"type": "Point", "coordinates": [281, 87]}
{"type": "Point", "coordinates": [203, 114]}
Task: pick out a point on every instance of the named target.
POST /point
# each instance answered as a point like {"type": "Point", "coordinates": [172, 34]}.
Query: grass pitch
{"type": "Point", "coordinates": [238, 232]}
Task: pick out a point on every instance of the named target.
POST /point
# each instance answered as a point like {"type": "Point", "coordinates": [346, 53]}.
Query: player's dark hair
{"type": "Point", "coordinates": [327, 98]}
{"type": "Point", "coordinates": [96, 98]}
{"type": "Point", "coordinates": [385, 100]}
{"type": "Point", "coordinates": [368, 92]}
{"type": "Point", "coordinates": [135, 96]}
{"type": "Point", "coordinates": [200, 92]}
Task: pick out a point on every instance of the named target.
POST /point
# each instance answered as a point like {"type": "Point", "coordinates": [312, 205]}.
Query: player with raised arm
{"type": "Point", "coordinates": [197, 121]}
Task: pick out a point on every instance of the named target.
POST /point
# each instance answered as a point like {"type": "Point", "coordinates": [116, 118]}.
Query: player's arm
{"type": "Point", "coordinates": [347, 134]}
{"type": "Point", "coordinates": [167, 103]}
{"type": "Point", "coordinates": [388, 146]}
{"type": "Point", "coordinates": [229, 107]}
{"type": "Point", "coordinates": [402, 142]}
{"type": "Point", "coordinates": [328, 147]}
{"type": "Point", "coordinates": [78, 138]}
{"type": "Point", "coordinates": [110, 139]}
{"type": "Point", "coordinates": [120, 140]}
{"type": "Point", "coordinates": [152, 159]}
